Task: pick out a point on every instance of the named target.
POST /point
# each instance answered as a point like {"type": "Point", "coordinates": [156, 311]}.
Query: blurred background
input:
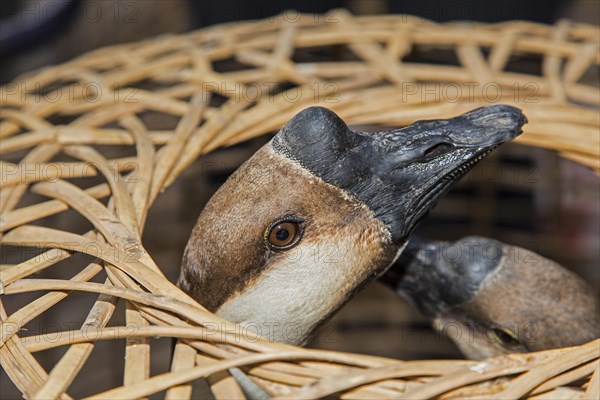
{"type": "Point", "coordinates": [37, 33]}
{"type": "Point", "coordinates": [519, 195]}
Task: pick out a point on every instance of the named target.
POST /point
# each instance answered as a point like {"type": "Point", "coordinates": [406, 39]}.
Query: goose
{"type": "Point", "coordinates": [321, 210]}
{"type": "Point", "coordinates": [492, 298]}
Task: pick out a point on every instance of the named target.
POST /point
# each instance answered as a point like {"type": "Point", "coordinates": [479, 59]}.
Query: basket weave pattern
{"type": "Point", "coordinates": [111, 97]}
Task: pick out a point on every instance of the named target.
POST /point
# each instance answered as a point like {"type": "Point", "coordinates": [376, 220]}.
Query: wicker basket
{"type": "Point", "coordinates": [224, 85]}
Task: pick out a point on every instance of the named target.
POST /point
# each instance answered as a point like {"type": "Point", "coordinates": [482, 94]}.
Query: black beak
{"type": "Point", "coordinates": [435, 275]}
{"type": "Point", "coordinates": [402, 173]}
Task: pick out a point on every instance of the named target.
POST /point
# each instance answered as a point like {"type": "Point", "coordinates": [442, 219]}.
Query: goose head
{"type": "Point", "coordinates": [320, 210]}
{"type": "Point", "coordinates": [491, 298]}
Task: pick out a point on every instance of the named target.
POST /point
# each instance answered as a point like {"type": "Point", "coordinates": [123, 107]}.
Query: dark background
{"type": "Point", "coordinates": [38, 33]}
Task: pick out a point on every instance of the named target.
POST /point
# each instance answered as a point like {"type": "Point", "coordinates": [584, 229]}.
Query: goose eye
{"type": "Point", "coordinates": [506, 337]}
{"type": "Point", "coordinates": [284, 233]}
